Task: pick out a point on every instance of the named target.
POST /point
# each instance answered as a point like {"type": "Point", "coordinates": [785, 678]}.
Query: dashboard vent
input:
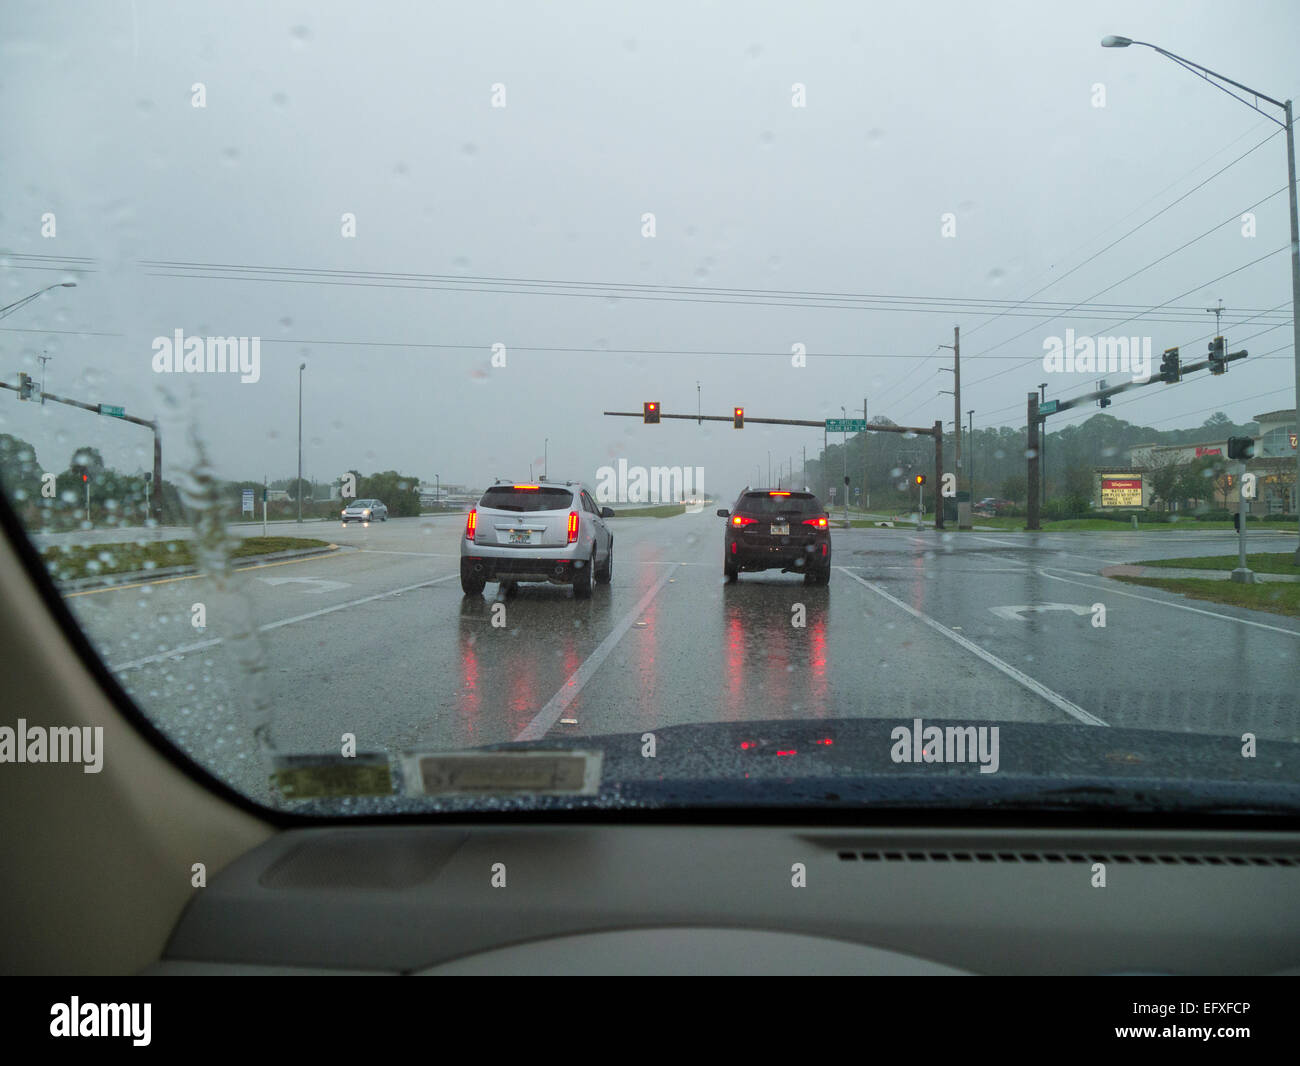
{"type": "Point", "coordinates": [1029, 857]}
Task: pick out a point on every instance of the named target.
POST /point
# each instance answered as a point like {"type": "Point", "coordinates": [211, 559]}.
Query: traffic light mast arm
{"type": "Point", "coordinates": [1187, 368]}
{"type": "Point", "coordinates": [920, 431]}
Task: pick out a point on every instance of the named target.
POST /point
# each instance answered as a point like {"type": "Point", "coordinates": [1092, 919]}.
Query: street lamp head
{"type": "Point", "coordinates": [68, 284]}
{"type": "Point", "coordinates": [1111, 41]}
{"type": "Point", "coordinates": [302, 366]}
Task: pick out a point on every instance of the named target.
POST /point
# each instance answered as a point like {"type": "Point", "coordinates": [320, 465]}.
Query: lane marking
{"type": "Point", "coordinates": [1038, 688]}
{"type": "Point", "coordinates": [1107, 590]}
{"type": "Point", "coordinates": [426, 555]}
{"type": "Point", "coordinates": [185, 649]}
{"type": "Point", "coordinates": [559, 703]}
{"type": "Point", "coordinates": [190, 577]}
{"type": "Point", "coordinates": [322, 585]}
{"type": "Point", "coordinates": [1012, 613]}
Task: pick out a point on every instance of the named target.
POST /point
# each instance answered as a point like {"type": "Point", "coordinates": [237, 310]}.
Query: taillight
{"type": "Point", "coordinates": [819, 521]}
{"type": "Point", "coordinates": [741, 520]}
{"type": "Point", "coordinates": [573, 526]}
{"type": "Point", "coordinates": [471, 523]}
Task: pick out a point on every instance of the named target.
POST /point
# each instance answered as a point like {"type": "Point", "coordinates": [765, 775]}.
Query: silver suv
{"type": "Point", "coordinates": [551, 531]}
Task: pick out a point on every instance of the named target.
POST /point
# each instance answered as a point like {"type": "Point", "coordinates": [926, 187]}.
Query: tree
{"type": "Point", "coordinates": [1165, 472]}
{"type": "Point", "coordinates": [1078, 488]}
{"type": "Point", "coordinates": [1015, 488]}
{"type": "Point", "coordinates": [401, 492]}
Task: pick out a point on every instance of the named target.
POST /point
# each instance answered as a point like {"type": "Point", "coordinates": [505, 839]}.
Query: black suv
{"type": "Point", "coordinates": [769, 529]}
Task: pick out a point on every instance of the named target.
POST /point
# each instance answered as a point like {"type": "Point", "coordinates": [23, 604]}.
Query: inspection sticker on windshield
{"type": "Point", "coordinates": [302, 777]}
{"type": "Point", "coordinates": [509, 773]}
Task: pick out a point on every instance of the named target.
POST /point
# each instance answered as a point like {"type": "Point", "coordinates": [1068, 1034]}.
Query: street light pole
{"type": "Point", "coordinates": [546, 458]}
{"type": "Point", "coordinates": [1288, 124]}
{"type": "Point", "coordinates": [298, 487]}
{"type": "Point", "coordinates": [1042, 451]}
{"type": "Point", "coordinates": [971, 450]}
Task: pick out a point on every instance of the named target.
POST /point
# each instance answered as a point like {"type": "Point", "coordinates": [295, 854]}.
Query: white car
{"type": "Point", "coordinates": [365, 511]}
{"type": "Point", "coordinates": [550, 531]}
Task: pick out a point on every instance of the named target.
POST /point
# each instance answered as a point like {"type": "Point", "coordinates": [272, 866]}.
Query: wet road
{"type": "Point", "coordinates": [377, 640]}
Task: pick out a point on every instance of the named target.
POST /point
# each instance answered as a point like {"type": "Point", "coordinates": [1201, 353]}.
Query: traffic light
{"type": "Point", "coordinates": [919, 479]}
{"type": "Point", "coordinates": [1170, 369]}
{"type": "Point", "coordinates": [1218, 360]}
{"type": "Point", "coordinates": [650, 413]}
{"type": "Point", "coordinates": [738, 418]}
{"type": "Point", "coordinates": [25, 386]}
{"type": "Point", "coordinates": [1104, 401]}
{"type": "Point", "coordinates": [1241, 448]}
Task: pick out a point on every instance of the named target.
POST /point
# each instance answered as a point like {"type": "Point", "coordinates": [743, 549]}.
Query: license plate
{"type": "Point", "coordinates": [780, 529]}
{"type": "Point", "coordinates": [521, 536]}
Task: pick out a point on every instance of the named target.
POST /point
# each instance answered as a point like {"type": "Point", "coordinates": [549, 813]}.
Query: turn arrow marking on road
{"type": "Point", "coordinates": [1013, 614]}
{"type": "Point", "coordinates": [321, 584]}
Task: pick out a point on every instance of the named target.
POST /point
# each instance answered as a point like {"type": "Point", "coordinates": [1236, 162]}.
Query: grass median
{"type": "Point", "coordinates": [96, 560]}
{"type": "Point", "coordinates": [1263, 563]}
{"type": "Point", "coordinates": [1277, 597]}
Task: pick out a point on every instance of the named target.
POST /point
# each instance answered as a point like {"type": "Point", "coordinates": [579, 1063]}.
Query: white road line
{"type": "Point", "coordinates": [186, 649]}
{"type": "Point", "coordinates": [1110, 591]}
{"type": "Point", "coordinates": [1038, 688]}
{"type": "Point", "coordinates": [423, 555]}
{"type": "Point", "coordinates": [559, 703]}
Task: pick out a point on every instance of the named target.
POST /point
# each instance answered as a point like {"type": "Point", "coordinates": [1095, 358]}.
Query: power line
{"type": "Point", "coordinates": [1232, 218]}
{"type": "Point", "coordinates": [1140, 225]}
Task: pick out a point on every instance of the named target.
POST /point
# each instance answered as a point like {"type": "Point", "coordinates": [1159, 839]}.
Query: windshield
{"type": "Point", "coordinates": [778, 503]}
{"type": "Point", "coordinates": [1006, 307]}
{"type": "Point", "coordinates": [532, 499]}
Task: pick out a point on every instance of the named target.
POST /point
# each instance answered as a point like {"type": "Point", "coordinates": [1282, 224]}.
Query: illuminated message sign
{"type": "Point", "coordinates": [1121, 492]}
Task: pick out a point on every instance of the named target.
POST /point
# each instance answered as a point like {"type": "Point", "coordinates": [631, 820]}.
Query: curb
{"type": "Point", "coordinates": [1188, 573]}
{"type": "Point", "coordinates": [134, 577]}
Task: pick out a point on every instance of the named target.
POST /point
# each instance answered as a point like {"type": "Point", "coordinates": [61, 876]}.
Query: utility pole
{"type": "Point", "coordinates": [956, 398]}
{"type": "Point", "coordinates": [1217, 312]}
{"type": "Point", "coordinates": [298, 487]}
{"type": "Point", "coordinates": [1042, 450]}
{"type": "Point", "coordinates": [866, 489]}
{"type": "Point", "coordinates": [971, 413]}
{"type": "Point", "coordinates": [1036, 425]}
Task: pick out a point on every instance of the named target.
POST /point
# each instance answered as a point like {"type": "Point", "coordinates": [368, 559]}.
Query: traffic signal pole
{"type": "Point", "coordinates": [1037, 416]}
{"type": "Point", "coordinates": [155, 499]}
{"type": "Point", "coordinates": [935, 431]}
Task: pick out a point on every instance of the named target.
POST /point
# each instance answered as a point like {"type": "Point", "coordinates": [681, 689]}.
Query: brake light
{"type": "Point", "coordinates": [741, 520]}
{"type": "Point", "coordinates": [471, 523]}
{"type": "Point", "coordinates": [775, 493]}
{"type": "Point", "coordinates": [819, 521]}
{"type": "Point", "coordinates": [573, 526]}
{"type": "Point", "coordinates": [525, 488]}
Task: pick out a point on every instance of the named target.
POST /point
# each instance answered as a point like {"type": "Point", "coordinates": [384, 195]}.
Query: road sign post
{"type": "Point", "coordinates": [1243, 573]}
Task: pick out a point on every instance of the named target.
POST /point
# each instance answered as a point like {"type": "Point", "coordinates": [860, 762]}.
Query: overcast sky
{"type": "Point", "coordinates": [682, 110]}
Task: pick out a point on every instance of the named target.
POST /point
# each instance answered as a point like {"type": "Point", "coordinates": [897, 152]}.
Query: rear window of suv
{"type": "Point", "coordinates": [511, 498]}
{"type": "Point", "coordinates": [762, 503]}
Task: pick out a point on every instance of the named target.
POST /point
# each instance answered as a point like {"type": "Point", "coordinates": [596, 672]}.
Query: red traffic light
{"type": "Point", "coordinates": [650, 412]}
{"type": "Point", "coordinates": [85, 477]}
{"type": "Point", "coordinates": [920, 479]}
{"type": "Point", "coordinates": [738, 417]}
